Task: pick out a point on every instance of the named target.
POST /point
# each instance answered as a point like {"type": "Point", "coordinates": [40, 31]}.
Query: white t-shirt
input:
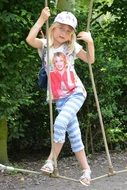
{"type": "Point", "coordinates": [63, 78]}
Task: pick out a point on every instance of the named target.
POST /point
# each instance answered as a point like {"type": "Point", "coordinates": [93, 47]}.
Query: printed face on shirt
{"type": "Point", "coordinates": [59, 61]}
{"type": "Point", "coordinates": [62, 33]}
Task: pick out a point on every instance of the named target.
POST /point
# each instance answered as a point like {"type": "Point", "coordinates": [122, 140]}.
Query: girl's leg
{"type": "Point", "coordinates": [68, 109]}
{"type": "Point", "coordinates": [48, 167]}
{"type": "Point", "coordinates": [74, 135]}
{"type": "Point", "coordinates": [81, 157]}
{"type": "Point", "coordinates": [77, 146]}
{"type": "Point", "coordinates": [57, 149]}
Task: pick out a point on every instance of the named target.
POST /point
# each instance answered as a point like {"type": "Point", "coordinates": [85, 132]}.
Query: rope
{"type": "Point", "coordinates": [11, 169]}
{"type": "Point", "coordinates": [50, 97]}
{"type": "Point", "coordinates": [96, 97]}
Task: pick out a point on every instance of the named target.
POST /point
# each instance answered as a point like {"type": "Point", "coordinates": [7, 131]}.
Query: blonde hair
{"type": "Point", "coordinates": [70, 44]}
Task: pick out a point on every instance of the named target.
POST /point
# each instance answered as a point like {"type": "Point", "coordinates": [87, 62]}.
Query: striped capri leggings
{"type": "Point", "coordinates": [67, 121]}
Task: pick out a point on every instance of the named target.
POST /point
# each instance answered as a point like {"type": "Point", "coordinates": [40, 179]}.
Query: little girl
{"type": "Point", "coordinates": [62, 38]}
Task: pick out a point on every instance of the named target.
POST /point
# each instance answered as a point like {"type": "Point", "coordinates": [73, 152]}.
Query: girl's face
{"type": "Point", "coordinates": [62, 34]}
{"type": "Point", "coordinates": [59, 63]}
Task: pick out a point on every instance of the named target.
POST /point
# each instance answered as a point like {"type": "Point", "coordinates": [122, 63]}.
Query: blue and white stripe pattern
{"type": "Point", "coordinates": [67, 121]}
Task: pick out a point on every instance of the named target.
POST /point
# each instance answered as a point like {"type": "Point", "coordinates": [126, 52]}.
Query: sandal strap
{"type": "Point", "coordinates": [49, 162]}
{"type": "Point", "coordinates": [86, 174]}
{"type": "Point", "coordinates": [48, 166]}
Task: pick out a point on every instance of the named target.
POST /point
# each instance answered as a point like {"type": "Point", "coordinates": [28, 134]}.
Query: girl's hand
{"type": "Point", "coordinates": [85, 36]}
{"type": "Point", "coordinates": [45, 13]}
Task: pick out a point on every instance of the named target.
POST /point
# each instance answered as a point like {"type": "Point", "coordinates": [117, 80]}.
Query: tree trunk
{"type": "Point", "coordinates": [71, 5]}
{"type": "Point", "coordinates": [66, 5]}
{"type": "Point", "coordinates": [3, 140]}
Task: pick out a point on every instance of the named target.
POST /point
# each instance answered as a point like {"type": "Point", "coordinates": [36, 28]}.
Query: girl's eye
{"type": "Point", "coordinates": [65, 30]}
{"type": "Point", "coordinates": [69, 32]}
{"type": "Point", "coordinates": [60, 28]}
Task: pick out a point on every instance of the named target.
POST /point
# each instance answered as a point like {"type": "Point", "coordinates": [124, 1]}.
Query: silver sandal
{"type": "Point", "coordinates": [86, 177]}
{"type": "Point", "coordinates": [48, 167]}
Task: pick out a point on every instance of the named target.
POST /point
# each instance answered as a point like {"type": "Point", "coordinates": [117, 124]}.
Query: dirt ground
{"type": "Point", "coordinates": [70, 168]}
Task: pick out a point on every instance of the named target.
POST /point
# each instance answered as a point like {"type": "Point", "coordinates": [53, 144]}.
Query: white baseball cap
{"type": "Point", "coordinates": [66, 18]}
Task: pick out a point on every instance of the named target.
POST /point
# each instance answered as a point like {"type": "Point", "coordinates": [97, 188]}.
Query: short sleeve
{"type": "Point", "coordinates": [78, 47]}
{"type": "Point", "coordinates": [41, 49]}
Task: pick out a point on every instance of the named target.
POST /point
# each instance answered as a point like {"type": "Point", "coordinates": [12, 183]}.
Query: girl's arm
{"type": "Point", "coordinates": [88, 56]}
{"type": "Point", "coordinates": [32, 36]}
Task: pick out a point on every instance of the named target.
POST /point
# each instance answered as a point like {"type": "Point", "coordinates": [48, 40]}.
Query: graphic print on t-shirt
{"type": "Point", "coordinates": [62, 78]}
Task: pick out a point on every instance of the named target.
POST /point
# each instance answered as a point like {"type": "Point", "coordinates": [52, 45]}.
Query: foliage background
{"type": "Point", "coordinates": [25, 105]}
